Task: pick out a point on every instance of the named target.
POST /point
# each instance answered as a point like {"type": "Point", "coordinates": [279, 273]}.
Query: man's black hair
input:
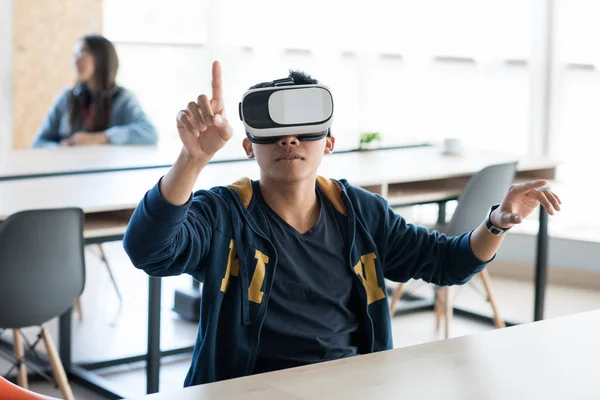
{"type": "Point", "coordinates": [298, 77]}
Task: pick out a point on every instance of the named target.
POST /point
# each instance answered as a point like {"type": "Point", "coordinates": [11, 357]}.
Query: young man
{"type": "Point", "coordinates": [293, 265]}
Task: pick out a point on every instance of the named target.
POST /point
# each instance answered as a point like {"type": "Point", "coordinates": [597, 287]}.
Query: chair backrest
{"type": "Point", "coordinates": [42, 267]}
{"type": "Point", "coordinates": [9, 390]}
{"type": "Point", "coordinates": [484, 189]}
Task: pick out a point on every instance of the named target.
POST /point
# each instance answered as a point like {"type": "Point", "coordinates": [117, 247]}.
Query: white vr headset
{"type": "Point", "coordinates": [304, 111]}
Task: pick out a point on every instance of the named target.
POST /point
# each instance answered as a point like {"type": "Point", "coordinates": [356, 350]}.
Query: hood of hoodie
{"type": "Point", "coordinates": [331, 189]}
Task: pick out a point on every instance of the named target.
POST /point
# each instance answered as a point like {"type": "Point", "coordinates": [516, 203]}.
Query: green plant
{"type": "Point", "coordinates": [368, 137]}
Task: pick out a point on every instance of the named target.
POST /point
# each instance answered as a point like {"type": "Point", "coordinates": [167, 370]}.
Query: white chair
{"type": "Point", "coordinates": [483, 189]}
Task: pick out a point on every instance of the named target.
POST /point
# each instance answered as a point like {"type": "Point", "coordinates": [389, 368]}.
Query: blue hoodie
{"type": "Point", "coordinates": [220, 238]}
{"type": "Point", "coordinates": [128, 123]}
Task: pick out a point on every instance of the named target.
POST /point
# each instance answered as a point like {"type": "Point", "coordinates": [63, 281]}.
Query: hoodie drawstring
{"type": "Point", "coordinates": [244, 281]}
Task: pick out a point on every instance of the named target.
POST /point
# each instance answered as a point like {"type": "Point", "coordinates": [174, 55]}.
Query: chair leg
{"type": "Point", "coordinates": [396, 297]}
{"type": "Point", "coordinates": [448, 310]}
{"type": "Point", "coordinates": [112, 278]}
{"type": "Point", "coordinates": [79, 309]}
{"type": "Point", "coordinates": [487, 282]}
{"type": "Point", "coordinates": [20, 354]}
{"type": "Point", "coordinates": [439, 308]}
{"type": "Point", "coordinates": [57, 367]}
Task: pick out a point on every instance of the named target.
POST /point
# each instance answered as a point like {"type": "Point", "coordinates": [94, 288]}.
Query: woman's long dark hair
{"type": "Point", "coordinates": [106, 65]}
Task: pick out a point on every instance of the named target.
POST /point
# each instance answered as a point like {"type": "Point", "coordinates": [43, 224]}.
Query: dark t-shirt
{"type": "Point", "coordinates": [313, 309]}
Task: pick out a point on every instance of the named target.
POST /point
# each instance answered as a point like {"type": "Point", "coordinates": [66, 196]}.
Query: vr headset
{"type": "Point", "coordinates": [304, 111]}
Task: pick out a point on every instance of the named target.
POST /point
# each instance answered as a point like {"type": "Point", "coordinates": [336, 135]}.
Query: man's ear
{"type": "Point", "coordinates": [248, 148]}
{"type": "Point", "coordinates": [329, 144]}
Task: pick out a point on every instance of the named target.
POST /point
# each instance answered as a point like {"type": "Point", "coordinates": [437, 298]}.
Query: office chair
{"type": "Point", "coordinates": [485, 188]}
{"type": "Point", "coordinates": [43, 273]}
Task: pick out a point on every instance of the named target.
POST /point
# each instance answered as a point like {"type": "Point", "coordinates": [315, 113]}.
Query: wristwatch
{"type": "Point", "coordinates": [493, 229]}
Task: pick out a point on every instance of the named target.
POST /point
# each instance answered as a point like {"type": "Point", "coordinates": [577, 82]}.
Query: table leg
{"type": "Point", "coordinates": [541, 266]}
{"type": "Point", "coordinates": [153, 355]}
{"type": "Point", "coordinates": [441, 213]}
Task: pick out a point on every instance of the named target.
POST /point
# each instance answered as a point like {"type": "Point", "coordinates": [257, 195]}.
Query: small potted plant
{"type": "Point", "coordinates": [368, 140]}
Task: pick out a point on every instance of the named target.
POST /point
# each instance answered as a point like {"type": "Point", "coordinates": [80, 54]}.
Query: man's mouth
{"type": "Point", "coordinates": [290, 157]}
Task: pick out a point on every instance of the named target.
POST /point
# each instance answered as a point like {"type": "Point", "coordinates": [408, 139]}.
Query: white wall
{"type": "Point", "coordinates": [5, 76]}
{"type": "Point", "coordinates": [562, 253]}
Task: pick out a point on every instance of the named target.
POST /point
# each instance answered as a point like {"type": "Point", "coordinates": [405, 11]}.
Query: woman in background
{"type": "Point", "coordinates": [96, 110]}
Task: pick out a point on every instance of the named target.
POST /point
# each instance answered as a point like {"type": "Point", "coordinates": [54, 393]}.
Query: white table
{"type": "Point", "coordinates": [381, 170]}
{"type": "Point", "coordinates": [402, 174]}
{"type": "Point", "coordinates": [553, 359]}
{"type": "Point", "coordinates": [35, 163]}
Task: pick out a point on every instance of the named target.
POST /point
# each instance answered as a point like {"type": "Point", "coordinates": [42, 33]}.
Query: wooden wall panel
{"type": "Point", "coordinates": [44, 34]}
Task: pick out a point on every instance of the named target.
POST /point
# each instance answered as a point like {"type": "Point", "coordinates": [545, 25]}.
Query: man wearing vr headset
{"type": "Point", "coordinates": [293, 265]}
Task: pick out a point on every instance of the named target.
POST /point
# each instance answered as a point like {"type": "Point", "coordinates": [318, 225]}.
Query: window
{"type": "Point", "coordinates": [394, 67]}
{"type": "Point", "coordinates": [575, 99]}
{"type": "Point", "coordinates": [163, 54]}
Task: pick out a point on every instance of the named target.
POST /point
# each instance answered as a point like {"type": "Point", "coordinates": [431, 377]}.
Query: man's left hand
{"type": "Point", "coordinates": [521, 200]}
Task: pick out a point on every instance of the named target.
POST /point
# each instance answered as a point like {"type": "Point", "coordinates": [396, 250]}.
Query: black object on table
{"type": "Point", "coordinates": [187, 302]}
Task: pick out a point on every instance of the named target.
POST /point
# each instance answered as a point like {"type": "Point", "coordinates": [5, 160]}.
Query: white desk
{"type": "Point", "coordinates": [553, 359]}
{"type": "Point", "coordinates": [382, 170]}
{"type": "Point", "coordinates": [33, 163]}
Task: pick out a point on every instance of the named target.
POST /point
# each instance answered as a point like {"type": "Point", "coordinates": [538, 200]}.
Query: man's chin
{"type": "Point", "coordinates": [292, 175]}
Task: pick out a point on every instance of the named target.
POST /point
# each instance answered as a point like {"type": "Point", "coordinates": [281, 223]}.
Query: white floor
{"type": "Point", "coordinates": [105, 332]}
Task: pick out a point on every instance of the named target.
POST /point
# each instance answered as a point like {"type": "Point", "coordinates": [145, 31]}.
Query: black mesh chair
{"type": "Point", "coordinates": [42, 273]}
